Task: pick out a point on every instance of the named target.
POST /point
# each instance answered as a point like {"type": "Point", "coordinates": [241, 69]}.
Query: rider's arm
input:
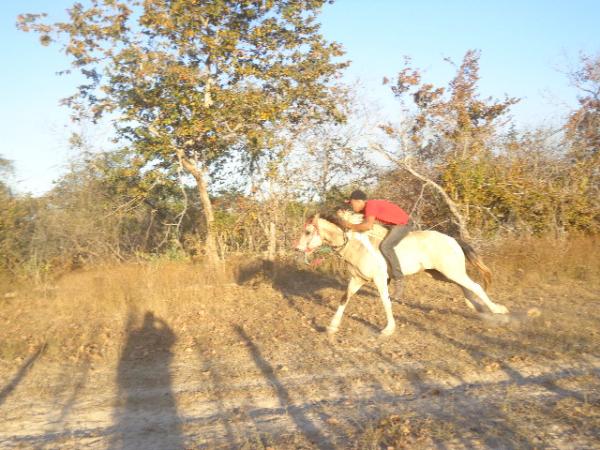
{"type": "Point", "coordinates": [365, 225]}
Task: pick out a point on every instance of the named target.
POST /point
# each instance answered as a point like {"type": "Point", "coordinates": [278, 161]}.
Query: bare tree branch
{"type": "Point", "coordinates": [454, 209]}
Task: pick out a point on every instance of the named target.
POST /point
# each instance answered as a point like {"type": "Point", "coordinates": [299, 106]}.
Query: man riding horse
{"type": "Point", "coordinates": [429, 250]}
{"type": "Point", "coordinates": [392, 217]}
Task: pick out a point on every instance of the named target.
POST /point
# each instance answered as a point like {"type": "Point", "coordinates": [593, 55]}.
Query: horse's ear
{"type": "Point", "coordinates": [315, 218]}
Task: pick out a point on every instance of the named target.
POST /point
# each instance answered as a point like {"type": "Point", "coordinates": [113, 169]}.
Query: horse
{"type": "Point", "coordinates": [438, 254]}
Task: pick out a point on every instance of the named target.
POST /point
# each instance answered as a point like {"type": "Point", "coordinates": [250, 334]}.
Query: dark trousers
{"type": "Point", "coordinates": [396, 234]}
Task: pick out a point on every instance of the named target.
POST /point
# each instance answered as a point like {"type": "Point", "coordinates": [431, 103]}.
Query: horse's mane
{"type": "Point", "coordinates": [329, 217]}
{"type": "Point", "coordinates": [377, 232]}
{"type": "Point", "coordinates": [333, 219]}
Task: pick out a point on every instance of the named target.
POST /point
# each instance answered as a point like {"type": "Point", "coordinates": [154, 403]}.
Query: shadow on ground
{"type": "Point", "coordinates": [21, 374]}
{"type": "Point", "coordinates": [146, 414]}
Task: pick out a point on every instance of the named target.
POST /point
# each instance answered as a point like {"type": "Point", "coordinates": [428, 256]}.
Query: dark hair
{"type": "Point", "coordinates": [358, 195]}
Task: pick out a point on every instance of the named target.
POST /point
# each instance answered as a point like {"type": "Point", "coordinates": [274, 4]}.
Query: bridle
{"type": "Point", "coordinates": [337, 249]}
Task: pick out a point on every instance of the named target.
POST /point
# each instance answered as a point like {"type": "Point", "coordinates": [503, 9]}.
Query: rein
{"type": "Point", "coordinates": [338, 249]}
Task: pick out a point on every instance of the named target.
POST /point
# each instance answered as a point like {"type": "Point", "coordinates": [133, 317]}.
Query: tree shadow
{"type": "Point", "coordinates": [78, 386]}
{"type": "Point", "coordinates": [297, 413]}
{"type": "Point", "coordinates": [25, 368]}
{"type": "Point", "coordinates": [469, 404]}
{"type": "Point", "coordinates": [146, 412]}
{"type": "Point", "coordinates": [217, 381]}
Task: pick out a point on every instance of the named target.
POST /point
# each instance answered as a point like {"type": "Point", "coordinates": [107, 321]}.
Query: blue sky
{"type": "Point", "coordinates": [526, 46]}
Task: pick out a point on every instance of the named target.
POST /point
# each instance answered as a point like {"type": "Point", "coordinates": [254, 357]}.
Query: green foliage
{"type": "Point", "coordinates": [583, 126]}
{"type": "Point", "coordinates": [521, 182]}
{"type": "Point", "coordinates": [451, 123]}
{"type": "Point", "coordinates": [16, 222]}
{"type": "Point", "coordinates": [195, 83]}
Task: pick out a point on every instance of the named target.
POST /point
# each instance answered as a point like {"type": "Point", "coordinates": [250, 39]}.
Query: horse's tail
{"type": "Point", "coordinates": [474, 259]}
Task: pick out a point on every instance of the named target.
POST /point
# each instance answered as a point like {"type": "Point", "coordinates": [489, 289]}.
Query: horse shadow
{"type": "Point", "coordinates": [298, 284]}
{"type": "Point", "coordinates": [287, 276]}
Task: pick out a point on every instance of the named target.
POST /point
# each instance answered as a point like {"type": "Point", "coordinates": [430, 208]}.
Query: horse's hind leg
{"type": "Point", "coordinates": [354, 285]}
{"type": "Point", "coordinates": [467, 284]}
{"type": "Point", "coordinates": [471, 301]}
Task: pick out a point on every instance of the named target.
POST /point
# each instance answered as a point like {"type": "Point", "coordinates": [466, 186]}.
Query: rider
{"type": "Point", "coordinates": [390, 216]}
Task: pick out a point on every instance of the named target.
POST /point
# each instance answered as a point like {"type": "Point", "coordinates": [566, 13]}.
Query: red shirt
{"type": "Point", "coordinates": [385, 212]}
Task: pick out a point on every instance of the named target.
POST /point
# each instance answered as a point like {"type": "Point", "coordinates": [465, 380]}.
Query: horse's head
{"type": "Point", "coordinates": [310, 239]}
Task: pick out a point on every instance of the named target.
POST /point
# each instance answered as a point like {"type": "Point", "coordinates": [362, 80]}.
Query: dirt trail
{"type": "Point", "coordinates": [256, 370]}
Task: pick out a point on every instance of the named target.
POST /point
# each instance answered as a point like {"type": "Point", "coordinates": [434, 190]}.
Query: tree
{"type": "Point", "coordinates": [194, 83]}
{"type": "Point", "coordinates": [454, 122]}
{"type": "Point", "coordinates": [316, 160]}
{"type": "Point", "coordinates": [17, 215]}
{"type": "Point", "coordinates": [450, 135]}
{"type": "Point", "coordinates": [7, 215]}
{"type": "Point", "coordinates": [583, 126]}
{"type": "Point", "coordinates": [583, 139]}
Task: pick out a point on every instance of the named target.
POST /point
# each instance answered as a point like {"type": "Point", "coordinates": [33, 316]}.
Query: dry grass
{"type": "Point", "coordinates": [247, 339]}
{"type": "Point", "coordinates": [560, 278]}
{"type": "Point", "coordinates": [86, 312]}
{"type": "Point", "coordinates": [86, 306]}
{"type": "Point", "coordinates": [546, 260]}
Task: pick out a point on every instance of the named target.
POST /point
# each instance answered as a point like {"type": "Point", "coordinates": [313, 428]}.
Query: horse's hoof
{"type": "Point", "coordinates": [331, 331]}
{"type": "Point", "coordinates": [470, 305]}
{"type": "Point", "coordinates": [500, 309]}
{"type": "Point", "coordinates": [388, 331]}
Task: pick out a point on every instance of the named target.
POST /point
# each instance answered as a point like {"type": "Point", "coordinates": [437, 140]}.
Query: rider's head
{"type": "Point", "coordinates": [357, 200]}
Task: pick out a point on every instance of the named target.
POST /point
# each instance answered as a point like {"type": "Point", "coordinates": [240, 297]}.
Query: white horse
{"type": "Point", "coordinates": [432, 251]}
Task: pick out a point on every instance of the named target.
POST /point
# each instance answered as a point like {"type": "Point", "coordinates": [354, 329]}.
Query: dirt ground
{"type": "Point", "coordinates": [246, 363]}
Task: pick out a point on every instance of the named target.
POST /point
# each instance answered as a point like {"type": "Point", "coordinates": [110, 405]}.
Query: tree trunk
{"type": "Point", "coordinates": [209, 217]}
{"type": "Point", "coordinates": [272, 242]}
{"type": "Point", "coordinates": [200, 175]}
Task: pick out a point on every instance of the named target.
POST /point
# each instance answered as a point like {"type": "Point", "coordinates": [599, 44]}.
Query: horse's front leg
{"type": "Point", "coordinates": [354, 285]}
{"type": "Point", "coordinates": [382, 287]}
